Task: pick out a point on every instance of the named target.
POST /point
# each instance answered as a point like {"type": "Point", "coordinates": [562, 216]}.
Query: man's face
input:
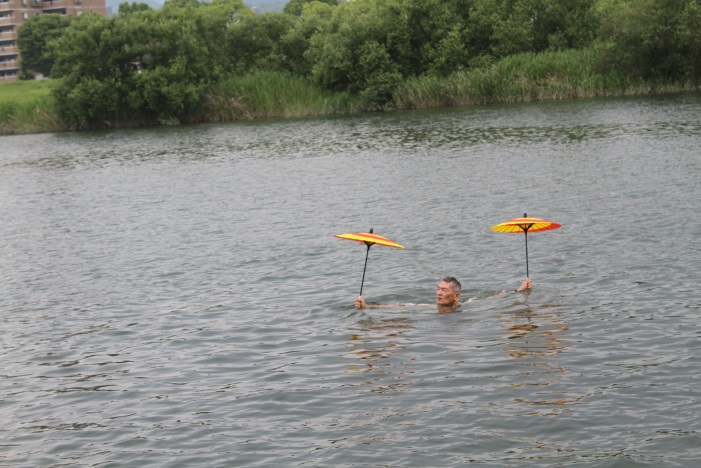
{"type": "Point", "coordinates": [445, 296]}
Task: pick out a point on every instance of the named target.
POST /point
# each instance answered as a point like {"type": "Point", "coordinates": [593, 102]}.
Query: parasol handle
{"type": "Point", "coordinates": [367, 252]}
{"type": "Point", "coordinates": [525, 228]}
{"type": "Point", "coordinates": [526, 234]}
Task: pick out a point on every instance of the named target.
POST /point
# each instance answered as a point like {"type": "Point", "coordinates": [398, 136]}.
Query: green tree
{"type": "Point", "coordinates": [254, 42]}
{"type": "Point", "coordinates": [506, 27]}
{"type": "Point", "coordinates": [435, 35]}
{"type": "Point", "coordinates": [33, 37]}
{"type": "Point", "coordinates": [147, 66]}
{"type": "Point", "coordinates": [559, 24]}
{"type": "Point", "coordinates": [335, 51]}
{"type": "Point", "coordinates": [690, 40]}
{"type": "Point", "coordinates": [294, 7]}
{"type": "Point", "coordinates": [77, 51]}
{"type": "Point", "coordinates": [315, 19]}
{"type": "Point", "coordinates": [86, 93]}
{"type": "Point", "coordinates": [177, 4]}
{"type": "Point", "coordinates": [127, 8]}
{"type": "Point", "coordinates": [403, 38]}
{"type": "Point", "coordinates": [641, 38]}
{"type": "Point", "coordinates": [369, 46]}
{"type": "Point", "coordinates": [379, 73]}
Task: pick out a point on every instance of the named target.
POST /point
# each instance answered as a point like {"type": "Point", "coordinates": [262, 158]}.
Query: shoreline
{"type": "Point", "coordinates": [41, 118]}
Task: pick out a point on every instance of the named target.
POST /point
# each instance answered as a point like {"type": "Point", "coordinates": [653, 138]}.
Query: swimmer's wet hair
{"type": "Point", "coordinates": [454, 282]}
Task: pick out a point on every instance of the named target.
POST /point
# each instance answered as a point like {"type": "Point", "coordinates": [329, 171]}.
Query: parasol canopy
{"type": "Point", "coordinates": [369, 239]}
{"type": "Point", "coordinates": [525, 225]}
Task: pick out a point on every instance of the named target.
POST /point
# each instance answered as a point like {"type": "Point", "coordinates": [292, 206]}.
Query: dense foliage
{"type": "Point", "coordinates": [161, 65]}
{"type": "Point", "coordinates": [654, 39]}
{"type": "Point", "coordinates": [32, 39]}
{"type": "Point", "coordinates": [294, 7]}
{"type": "Point", "coordinates": [147, 65]}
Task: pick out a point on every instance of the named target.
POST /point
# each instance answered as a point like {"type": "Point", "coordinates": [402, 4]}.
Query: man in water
{"type": "Point", "coordinates": [447, 296]}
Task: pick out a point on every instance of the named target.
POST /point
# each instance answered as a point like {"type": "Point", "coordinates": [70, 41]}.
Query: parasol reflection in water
{"type": "Point", "coordinates": [377, 346]}
{"type": "Point", "coordinates": [535, 336]}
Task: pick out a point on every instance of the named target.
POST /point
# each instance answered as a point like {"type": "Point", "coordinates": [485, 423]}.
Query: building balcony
{"type": "Point", "coordinates": [50, 4]}
{"type": "Point", "coordinates": [8, 50]}
{"type": "Point", "coordinates": [8, 75]}
{"type": "Point", "coordinates": [8, 21]}
{"type": "Point", "coordinates": [36, 4]}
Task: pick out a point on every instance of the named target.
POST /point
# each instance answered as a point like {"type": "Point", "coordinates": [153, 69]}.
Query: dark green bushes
{"type": "Point", "coordinates": [182, 63]}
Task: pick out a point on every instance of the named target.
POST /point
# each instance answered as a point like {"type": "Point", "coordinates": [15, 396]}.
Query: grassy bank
{"type": "Point", "coordinates": [525, 78]}
{"type": "Point", "coordinates": [28, 107]}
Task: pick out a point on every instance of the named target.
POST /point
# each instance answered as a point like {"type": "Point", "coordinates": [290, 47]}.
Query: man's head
{"type": "Point", "coordinates": [448, 292]}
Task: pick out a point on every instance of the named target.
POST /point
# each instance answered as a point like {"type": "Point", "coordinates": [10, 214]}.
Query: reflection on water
{"type": "Point", "coordinates": [535, 335]}
{"type": "Point", "coordinates": [376, 348]}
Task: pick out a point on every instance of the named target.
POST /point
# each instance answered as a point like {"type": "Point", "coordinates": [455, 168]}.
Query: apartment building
{"type": "Point", "coordinates": [14, 12]}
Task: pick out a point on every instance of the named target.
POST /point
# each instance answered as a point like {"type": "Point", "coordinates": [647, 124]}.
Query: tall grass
{"type": "Point", "coordinates": [526, 77]}
{"type": "Point", "coordinates": [272, 94]}
{"type": "Point", "coordinates": [28, 107]}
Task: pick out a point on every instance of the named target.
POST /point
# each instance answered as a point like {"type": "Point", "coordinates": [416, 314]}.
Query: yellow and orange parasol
{"type": "Point", "coordinates": [369, 239]}
{"type": "Point", "coordinates": [525, 225]}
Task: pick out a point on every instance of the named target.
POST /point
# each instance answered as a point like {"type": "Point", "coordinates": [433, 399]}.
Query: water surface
{"type": "Point", "coordinates": [175, 296]}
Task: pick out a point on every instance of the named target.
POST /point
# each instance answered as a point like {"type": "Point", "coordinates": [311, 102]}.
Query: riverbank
{"type": "Point", "coordinates": [29, 107]}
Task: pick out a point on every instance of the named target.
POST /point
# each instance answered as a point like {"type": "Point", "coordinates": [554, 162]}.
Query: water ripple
{"type": "Point", "coordinates": [175, 297]}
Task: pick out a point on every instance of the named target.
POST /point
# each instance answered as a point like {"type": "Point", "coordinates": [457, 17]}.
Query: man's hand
{"type": "Point", "coordinates": [360, 303]}
{"type": "Point", "coordinates": [525, 285]}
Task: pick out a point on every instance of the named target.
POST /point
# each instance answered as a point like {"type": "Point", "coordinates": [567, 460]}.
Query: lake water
{"type": "Point", "coordinates": [176, 296]}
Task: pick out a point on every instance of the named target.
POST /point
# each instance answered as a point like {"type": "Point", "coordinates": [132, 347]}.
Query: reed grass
{"type": "Point", "coordinates": [526, 77]}
{"type": "Point", "coordinates": [272, 94]}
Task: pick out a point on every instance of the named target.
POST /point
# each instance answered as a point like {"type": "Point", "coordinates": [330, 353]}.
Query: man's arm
{"type": "Point", "coordinates": [526, 284]}
{"type": "Point", "coordinates": [361, 304]}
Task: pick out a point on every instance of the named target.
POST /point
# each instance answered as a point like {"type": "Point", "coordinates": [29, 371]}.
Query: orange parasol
{"type": "Point", "coordinates": [525, 225]}
{"type": "Point", "coordinates": [369, 239]}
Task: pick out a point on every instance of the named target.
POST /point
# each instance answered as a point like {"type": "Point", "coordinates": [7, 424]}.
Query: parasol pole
{"type": "Point", "coordinates": [525, 224]}
{"type": "Point", "coordinates": [367, 252]}
{"type": "Point", "coordinates": [525, 228]}
{"type": "Point", "coordinates": [369, 239]}
{"type": "Point", "coordinates": [526, 234]}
